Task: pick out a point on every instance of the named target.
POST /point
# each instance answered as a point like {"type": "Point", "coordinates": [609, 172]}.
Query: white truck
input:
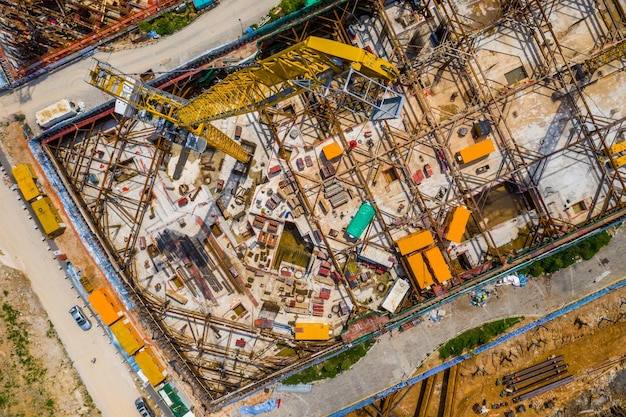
{"type": "Point", "coordinates": [55, 113]}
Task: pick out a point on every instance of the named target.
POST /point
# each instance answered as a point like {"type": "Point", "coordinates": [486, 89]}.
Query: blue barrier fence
{"type": "Point", "coordinates": [84, 233]}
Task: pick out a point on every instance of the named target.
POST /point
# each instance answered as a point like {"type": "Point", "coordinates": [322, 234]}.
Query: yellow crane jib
{"type": "Point", "coordinates": [612, 53]}
{"type": "Point", "coordinates": [159, 104]}
{"type": "Point", "coordinates": [361, 60]}
{"type": "Point", "coordinates": [269, 82]}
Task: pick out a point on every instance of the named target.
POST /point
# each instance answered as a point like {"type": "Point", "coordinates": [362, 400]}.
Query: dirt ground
{"type": "Point", "coordinates": [591, 338]}
{"type": "Point", "coordinates": [36, 376]}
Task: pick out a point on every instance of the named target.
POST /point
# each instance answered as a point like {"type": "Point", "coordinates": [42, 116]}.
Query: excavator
{"type": "Point", "coordinates": [313, 65]}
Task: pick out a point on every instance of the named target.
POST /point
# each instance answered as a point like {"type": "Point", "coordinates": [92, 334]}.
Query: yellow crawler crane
{"type": "Point", "coordinates": [311, 65]}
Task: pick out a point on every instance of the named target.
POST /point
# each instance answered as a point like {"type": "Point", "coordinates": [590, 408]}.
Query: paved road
{"type": "Point", "coordinates": [108, 380]}
{"type": "Point", "coordinates": [213, 28]}
{"type": "Point", "coordinates": [395, 357]}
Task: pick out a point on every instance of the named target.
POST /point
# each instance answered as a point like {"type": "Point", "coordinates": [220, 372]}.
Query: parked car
{"type": "Point", "coordinates": [143, 408]}
{"type": "Point", "coordinates": [80, 318]}
{"type": "Point", "coordinates": [428, 170]}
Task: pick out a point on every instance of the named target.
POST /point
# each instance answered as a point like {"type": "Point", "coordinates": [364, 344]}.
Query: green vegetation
{"type": "Point", "coordinates": [476, 337]}
{"type": "Point", "coordinates": [583, 250]}
{"type": "Point", "coordinates": [167, 23]}
{"type": "Point", "coordinates": [290, 6]}
{"type": "Point", "coordinates": [49, 404]}
{"type": "Point", "coordinates": [51, 332]}
{"type": "Point", "coordinates": [30, 369]}
{"type": "Point", "coordinates": [18, 335]}
{"type": "Point", "coordinates": [332, 367]}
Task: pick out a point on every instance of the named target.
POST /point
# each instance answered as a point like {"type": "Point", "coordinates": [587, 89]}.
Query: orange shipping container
{"type": "Point", "coordinates": [415, 241]}
{"type": "Point", "coordinates": [312, 331]}
{"type": "Point", "coordinates": [107, 305]}
{"type": "Point", "coordinates": [420, 271]}
{"type": "Point", "coordinates": [475, 151]}
{"type": "Point", "coordinates": [151, 366]}
{"type": "Point", "coordinates": [127, 335]}
{"type": "Point", "coordinates": [457, 223]}
{"type": "Point", "coordinates": [437, 264]}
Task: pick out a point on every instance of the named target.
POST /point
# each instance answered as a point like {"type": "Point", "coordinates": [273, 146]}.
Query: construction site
{"type": "Point", "coordinates": [35, 35]}
{"type": "Point", "coordinates": [368, 160]}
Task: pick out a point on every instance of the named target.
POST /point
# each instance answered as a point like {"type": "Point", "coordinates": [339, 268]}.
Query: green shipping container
{"type": "Point", "coordinates": [361, 220]}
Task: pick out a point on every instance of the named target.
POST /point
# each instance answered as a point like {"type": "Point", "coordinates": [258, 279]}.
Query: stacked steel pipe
{"type": "Point", "coordinates": [537, 379]}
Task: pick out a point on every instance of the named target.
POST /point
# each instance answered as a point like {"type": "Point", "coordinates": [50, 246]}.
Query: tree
{"type": "Point", "coordinates": [290, 6]}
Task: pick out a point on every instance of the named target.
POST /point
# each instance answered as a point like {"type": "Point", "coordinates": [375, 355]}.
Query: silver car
{"type": "Point", "coordinates": [143, 408]}
{"type": "Point", "coordinates": [80, 318]}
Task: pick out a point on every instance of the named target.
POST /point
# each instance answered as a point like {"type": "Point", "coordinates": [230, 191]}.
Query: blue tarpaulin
{"type": "Point", "coordinates": [265, 407]}
{"type": "Point", "coordinates": [522, 280]}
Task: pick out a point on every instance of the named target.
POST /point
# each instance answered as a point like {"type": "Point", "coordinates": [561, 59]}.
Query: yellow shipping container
{"type": "Point", "coordinates": [437, 264]}
{"type": "Point", "coordinates": [311, 331]}
{"type": "Point", "coordinates": [127, 335]}
{"type": "Point", "coordinates": [26, 181]}
{"type": "Point", "coordinates": [457, 223]}
{"type": "Point", "coordinates": [420, 271]}
{"type": "Point", "coordinates": [475, 151]}
{"type": "Point", "coordinates": [332, 150]}
{"type": "Point", "coordinates": [48, 217]}
{"type": "Point", "coordinates": [151, 366]}
{"type": "Point", "coordinates": [415, 241]}
{"type": "Point", "coordinates": [107, 305]}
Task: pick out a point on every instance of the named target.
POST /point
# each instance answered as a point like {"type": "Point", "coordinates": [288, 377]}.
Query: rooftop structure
{"type": "Point", "coordinates": [415, 241]}
{"type": "Point", "coordinates": [396, 294]}
{"type": "Point", "coordinates": [150, 365]}
{"type": "Point", "coordinates": [437, 264]}
{"type": "Point", "coordinates": [419, 270]}
{"type": "Point", "coordinates": [127, 335]}
{"type": "Point", "coordinates": [457, 223]}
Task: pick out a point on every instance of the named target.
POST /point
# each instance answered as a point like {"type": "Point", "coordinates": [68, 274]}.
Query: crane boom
{"type": "Point", "coordinates": [161, 105]}
{"type": "Point", "coordinates": [610, 54]}
{"type": "Point", "coordinates": [312, 63]}
{"type": "Point", "coordinates": [272, 80]}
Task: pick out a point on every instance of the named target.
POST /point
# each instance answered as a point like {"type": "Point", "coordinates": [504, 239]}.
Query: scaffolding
{"type": "Point", "coordinates": [450, 79]}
